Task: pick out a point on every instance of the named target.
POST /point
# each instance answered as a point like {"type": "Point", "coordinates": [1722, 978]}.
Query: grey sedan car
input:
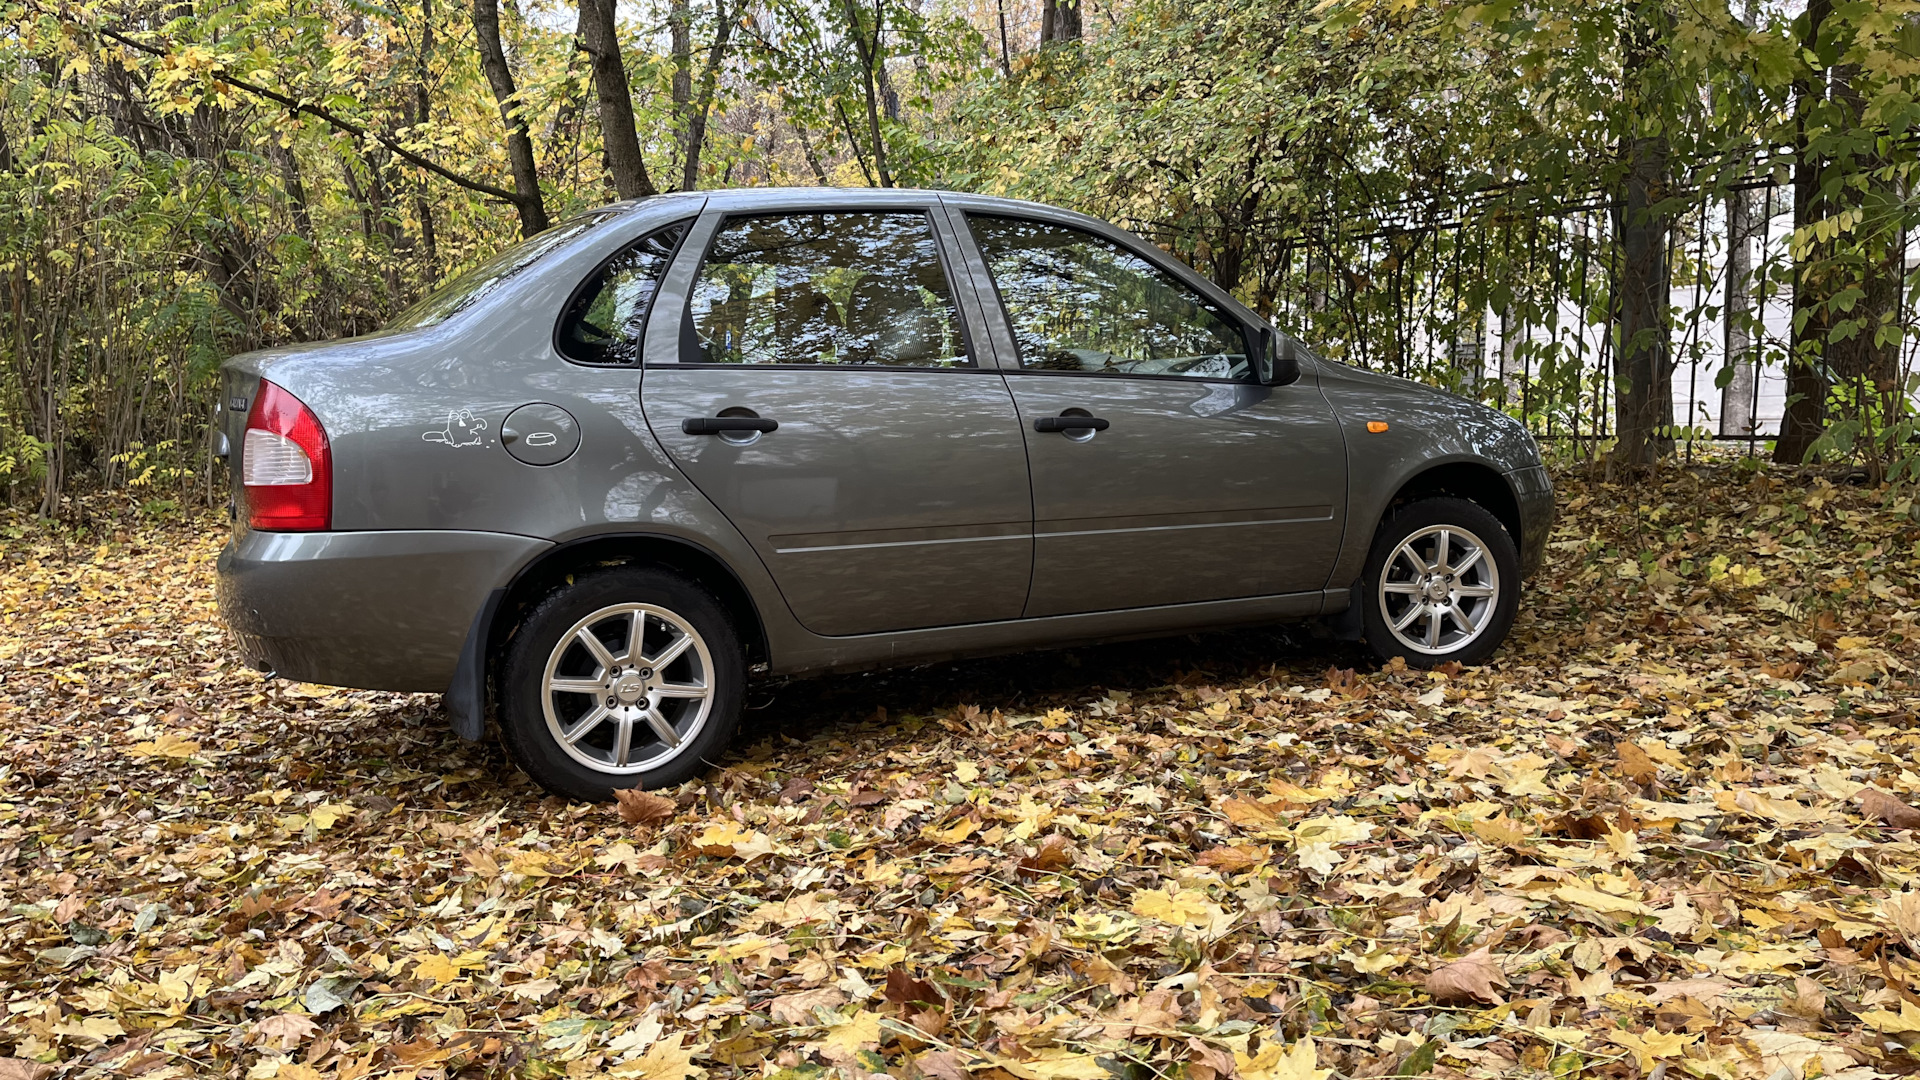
{"type": "Point", "coordinates": [591, 487]}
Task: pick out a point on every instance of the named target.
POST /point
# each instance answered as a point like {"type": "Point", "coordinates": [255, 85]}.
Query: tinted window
{"type": "Point", "coordinates": [603, 322]}
{"type": "Point", "coordinates": [834, 288]}
{"type": "Point", "coordinates": [473, 286]}
{"type": "Point", "coordinates": [1081, 303]}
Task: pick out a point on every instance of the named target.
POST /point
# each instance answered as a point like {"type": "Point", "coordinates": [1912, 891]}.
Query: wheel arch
{"type": "Point", "coordinates": [1474, 481]}
{"type": "Point", "coordinates": [552, 569]}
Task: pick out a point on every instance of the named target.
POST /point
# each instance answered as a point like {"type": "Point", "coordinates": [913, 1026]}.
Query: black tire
{"type": "Point", "coordinates": [1491, 619]}
{"type": "Point", "coordinates": [712, 658]}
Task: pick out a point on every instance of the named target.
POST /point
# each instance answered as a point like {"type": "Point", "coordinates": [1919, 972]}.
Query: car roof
{"type": "Point", "coordinates": [751, 199]}
{"type": "Point", "coordinates": [748, 198]}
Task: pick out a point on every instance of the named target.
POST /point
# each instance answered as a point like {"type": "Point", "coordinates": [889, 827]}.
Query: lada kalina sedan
{"type": "Point", "coordinates": [592, 486]}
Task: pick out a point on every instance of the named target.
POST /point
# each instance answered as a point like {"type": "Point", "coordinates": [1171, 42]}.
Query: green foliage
{"type": "Point", "coordinates": [1400, 183]}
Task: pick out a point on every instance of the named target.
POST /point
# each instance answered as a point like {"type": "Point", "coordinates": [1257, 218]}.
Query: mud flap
{"type": "Point", "coordinates": [466, 698]}
{"type": "Point", "coordinates": [1351, 624]}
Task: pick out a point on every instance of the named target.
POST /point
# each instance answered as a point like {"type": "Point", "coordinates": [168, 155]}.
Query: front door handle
{"type": "Point", "coordinates": [1070, 423]}
{"type": "Point", "coordinates": [715, 425]}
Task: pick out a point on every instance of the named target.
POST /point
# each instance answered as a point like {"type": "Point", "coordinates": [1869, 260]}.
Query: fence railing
{"type": "Point", "coordinates": [1519, 308]}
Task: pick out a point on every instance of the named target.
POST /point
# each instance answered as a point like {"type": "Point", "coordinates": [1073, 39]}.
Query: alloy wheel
{"type": "Point", "coordinates": [1439, 589]}
{"type": "Point", "coordinates": [627, 688]}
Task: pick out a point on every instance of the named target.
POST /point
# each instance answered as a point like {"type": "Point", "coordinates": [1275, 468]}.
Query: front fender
{"type": "Point", "coordinates": [1397, 430]}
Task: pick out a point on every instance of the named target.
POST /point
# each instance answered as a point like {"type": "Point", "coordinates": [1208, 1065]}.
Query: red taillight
{"type": "Point", "coordinates": [285, 466]}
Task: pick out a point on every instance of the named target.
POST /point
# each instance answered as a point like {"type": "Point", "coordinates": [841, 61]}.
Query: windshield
{"type": "Point", "coordinates": [471, 287]}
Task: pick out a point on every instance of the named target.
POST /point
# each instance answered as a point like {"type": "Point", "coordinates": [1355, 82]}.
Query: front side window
{"type": "Point", "coordinates": [1080, 303]}
{"type": "Point", "coordinates": [859, 289]}
{"type": "Point", "coordinates": [602, 324]}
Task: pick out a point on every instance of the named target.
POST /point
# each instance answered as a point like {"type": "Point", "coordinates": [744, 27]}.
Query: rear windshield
{"type": "Point", "coordinates": [473, 286]}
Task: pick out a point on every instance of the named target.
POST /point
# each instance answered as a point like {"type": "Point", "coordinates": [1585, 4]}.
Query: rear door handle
{"type": "Point", "coordinates": [1070, 423]}
{"type": "Point", "coordinates": [714, 425]}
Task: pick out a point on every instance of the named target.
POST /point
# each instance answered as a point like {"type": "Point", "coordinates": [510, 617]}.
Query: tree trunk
{"type": "Point", "coordinates": [422, 112]}
{"type": "Point", "coordinates": [1059, 21]}
{"type": "Point", "coordinates": [703, 105]}
{"type": "Point", "coordinates": [813, 158]}
{"type": "Point", "coordinates": [295, 188]}
{"type": "Point", "coordinates": [360, 200]}
{"type": "Point", "coordinates": [870, 59]}
{"type": "Point", "coordinates": [1864, 350]}
{"type": "Point", "coordinates": [680, 51]}
{"type": "Point", "coordinates": [1644, 389]}
{"type": "Point", "coordinates": [1806, 415]}
{"type": "Point", "coordinates": [1512, 363]}
{"type": "Point", "coordinates": [1006, 52]}
{"type": "Point", "coordinates": [601, 40]}
{"type": "Point", "coordinates": [1643, 404]}
{"type": "Point", "coordinates": [889, 97]}
{"type": "Point", "coordinates": [1737, 400]}
{"type": "Point", "coordinates": [526, 177]}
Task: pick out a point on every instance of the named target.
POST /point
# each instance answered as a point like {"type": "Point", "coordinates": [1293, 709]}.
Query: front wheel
{"type": "Point", "coordinates": [1442, 583]}
{"type": "Point", "coordinates": [630, 677]}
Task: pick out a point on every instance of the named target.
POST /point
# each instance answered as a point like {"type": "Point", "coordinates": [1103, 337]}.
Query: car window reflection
{"type": "Point", "coordinates": [826, 289]}
{"type": "Point", "coordinates": [1081, 303]}
{"type": "Point", "coordinates": [476, 284]}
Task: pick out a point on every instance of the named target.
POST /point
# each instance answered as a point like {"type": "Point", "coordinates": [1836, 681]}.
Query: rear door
{"type": "Point", "coordinates": [822, 391]}
{"type": "Point", "coordinates": [1201, 484]}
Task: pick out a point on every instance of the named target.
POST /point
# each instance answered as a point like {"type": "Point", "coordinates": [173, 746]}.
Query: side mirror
{"type": "Point", "coordinates": [1278, 363]}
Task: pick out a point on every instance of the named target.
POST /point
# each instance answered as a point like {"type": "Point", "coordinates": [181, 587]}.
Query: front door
{"type": "Point", "coordinates": [1201, 484]}
{"type": "Point", "coordinates": [823, 395]}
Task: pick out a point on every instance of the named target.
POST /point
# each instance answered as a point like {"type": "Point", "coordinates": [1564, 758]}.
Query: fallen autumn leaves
{"type": "Point", "coordinates": [1667, 830]}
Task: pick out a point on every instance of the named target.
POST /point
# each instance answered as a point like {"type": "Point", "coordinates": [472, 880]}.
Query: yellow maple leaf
{"type": "Point", "coordinates": [664, 1060]}
{"type": "Point", "coordinates": [435, 966]}
{"type": "Point", "coordinates": [621, 854]}
{"type": "Point", "coordinates": [724, 838]}
{"type": "Point", "coordinates": [167, 745]}
{"type": "Point", "coordinates": [952, 834]}
{"type": "Point", "coordinates": [860, 1032]}
{"type": "Point", "coordinates": [1662, 753]}
{"type": "Point", "coordinates": [92, 1029]}
{"type": "Point", "coordinates": [1251, 815]}
{"type": "Point", "coordinates": [1595, 900]}
{"type": "Point", "coordinates": [1054, 1063]}
{"type": "Point", "coordinates": [1374, 962]}
{"type": "Point", "coordinates": [1187, 907]}
{"type": "Point", "coordinates": [1274, 1062]}
{"type": "Point", "coordinates": [532, 864]}
{"type": "Point", "coordinates": [324, 815]}
{"type": "Point", "coordinates": [1502, 831]}
{"type": "Point", "coordinates": [1903, 1022]}
{"type": "Point", "coordinates": [1650, 1046]}
{"type": "Point", "coordinates": [1332, 829]}
{"type": "Point", "coordinates": [177, 986]}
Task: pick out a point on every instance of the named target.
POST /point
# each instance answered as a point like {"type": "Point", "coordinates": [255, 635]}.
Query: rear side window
{"type": "Point", "coordinates": [478, 283]}
{"type": "Point", "coordinates": [827, 289]}
{"type": "Point", "coordinates": [602, 323]}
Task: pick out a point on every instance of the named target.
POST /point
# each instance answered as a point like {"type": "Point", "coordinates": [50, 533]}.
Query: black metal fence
{"type": "Point", "coordinates": [1518, 308]}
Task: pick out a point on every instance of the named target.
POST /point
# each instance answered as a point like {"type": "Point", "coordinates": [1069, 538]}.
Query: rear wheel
{"type": "Point", "coordinates": [629, 677]}
{"type": "Point", "coordinates": [1442, 583]}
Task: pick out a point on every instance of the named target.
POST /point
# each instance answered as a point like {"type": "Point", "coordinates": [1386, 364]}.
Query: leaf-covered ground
{"type": "Point", "coordinates": [1667, 832]}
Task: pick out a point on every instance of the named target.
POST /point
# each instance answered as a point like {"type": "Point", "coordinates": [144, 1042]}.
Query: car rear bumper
{"type": "Point", "coordinates": [373, 610]}
{"type": "Point", "coordinates": [1533, 492]}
